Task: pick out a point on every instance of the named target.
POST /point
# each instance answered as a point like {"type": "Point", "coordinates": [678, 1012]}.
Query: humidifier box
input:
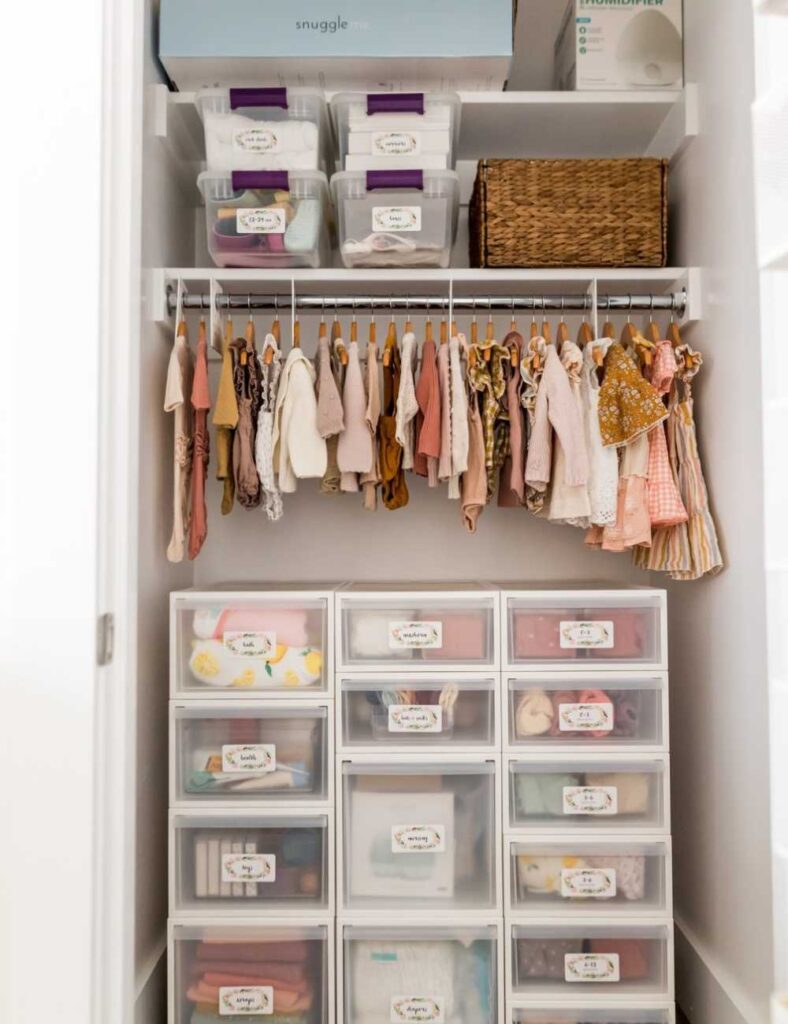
{"type": "Point", "coordinates": [620, 44]}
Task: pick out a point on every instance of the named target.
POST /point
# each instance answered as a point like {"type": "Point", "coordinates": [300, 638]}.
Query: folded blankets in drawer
{"type": "Point", "coordinates": [545, 958]}
{"type": "Point", "coordinates": [542, 794]}
{"type": "Point", "coordinates": [541, 874]}
{"type": "Point", "coordinates": [540, 713]}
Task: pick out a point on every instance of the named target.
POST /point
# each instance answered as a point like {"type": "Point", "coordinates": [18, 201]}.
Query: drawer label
{"type": "Point", "coordinates": [418, 838]}
{"type": "Point", "coordinates": [257, 140]}
{"type": "Point", "coordinates": [396, 218]}
{"type": "Point", "coordinates": [248, 757]}
{"type": "Point", "coordinates": [249, 645]}
{"type": "Point", "coordinates": [585, 717]}
{"type": "Point", "coordinates": [260, 220]}
{"type": "Point", "coordinates": [577, 635]}
{"type": "Point", "coordinates": [245, 1000]}
{"type": "Point", "coordinates": [588, 883]}
{"type": "Point", "coordinates": [590, 800]}
{"type": "Point", "coordinates": [415, 1009]}
{"type": "Point", "coordinates": [405, 636]}
{"type": "Point", "coordinates": [591, 967]}
{"type": "Point", "coordinates": [248, 867]}
{"type": "Point", "coordinates": [415, 718]}
{"type": "Point", "coordinates": [396, 143]}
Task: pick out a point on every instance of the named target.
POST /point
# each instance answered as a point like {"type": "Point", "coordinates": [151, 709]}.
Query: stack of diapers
{"type": "Point", "coordinates": [541, 794]}
{"type": "Point", "coordinates": [541, 875]}
{"type": "Point", "coordinates": [548, 713]}
{"type": "Point", "coordinates": [254, 649]}
{"type": "Point", "coordinates": [538, 635]}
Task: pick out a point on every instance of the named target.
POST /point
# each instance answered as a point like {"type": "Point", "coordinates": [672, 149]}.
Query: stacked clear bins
{"type": "Point", "coordinates": [587, 855]}
{"type": "Point", "coordinates": [419, 883]}
{"type": "Point", "coordinates": [251, 844]}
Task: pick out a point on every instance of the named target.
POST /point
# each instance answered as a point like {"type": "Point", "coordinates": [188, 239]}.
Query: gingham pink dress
{"type": "Point", "coordinates": [665, 507]}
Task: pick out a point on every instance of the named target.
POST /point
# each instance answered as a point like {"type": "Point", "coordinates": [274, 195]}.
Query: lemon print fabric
{"type": "Point", "coordinates": [212, 664]}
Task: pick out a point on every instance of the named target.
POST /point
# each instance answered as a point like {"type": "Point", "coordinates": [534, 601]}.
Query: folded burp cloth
{"type": "Point", "coordinates": [633, 789]}
{"type": "Point", "coordinates": [533, 714]}
{"type": "Point", "coordinates": [542, 794]}
{"type": "Point", "coordinates": [293, 145]}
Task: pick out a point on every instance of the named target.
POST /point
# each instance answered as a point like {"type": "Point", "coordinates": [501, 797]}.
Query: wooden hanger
{"type": "Point", "coordinates": [428, 333]}
{"type": "Point", "coordinates": [534, 327]}
{"type": "Point", "coordinates": [296, 332]}
{"type": "Point", "coordinates": [674, 334]}
{"type": "Point", "coordinates": [390, 343]}
{"type": "Point", "coordinates": [474, 329]}
{"type": "Point", "coordinates": [444, 330]}
{"type": "Point", "coordinates": [584, 334]}
{"type": "Point", "coordinates": [249, 335]}
{"type": "Point", "coordinates": [276, 331]}
{"type": "Point", "coordinates": [547, 334]}
{"type": "Point", "coordinates": [354, 327]}
{"type": "Point", "coordinates": [182, 332]}
{"type": "Point", "coordinates": [514, 352]}
{"type": "Point", "coordinates": [609, 330]}
{"type": "Point", "coordinates": [628, 331]}
{"type": "Point", "coordinates": [336, 341]}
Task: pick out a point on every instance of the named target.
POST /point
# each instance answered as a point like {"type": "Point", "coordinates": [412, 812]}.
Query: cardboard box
{"type": "Point", "coordinates": [438, 45]}
{"type": "Point", "coordinates": [620, 44]}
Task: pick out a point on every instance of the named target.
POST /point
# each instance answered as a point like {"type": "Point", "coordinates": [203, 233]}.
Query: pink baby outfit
{"type": "Point", "coordinates": [511, 491]}
{"type": "Point", "coordinates": [428, 422]}
{"type": "Point", "coordinates": [665, 507]}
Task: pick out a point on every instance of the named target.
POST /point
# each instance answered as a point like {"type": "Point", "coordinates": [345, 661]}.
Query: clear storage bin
{"type": "Point", "coordinates": [597, 1015]}
{"type": "Point", "coordinates": [419, 834]}
{"type": "Point", "coordinates": [277, 752]}
{"type": "Point", "coordinates": [250, 863]}
{"type": "Point", "coordinates": [396, 130]}
{"type": "Point", "coordinates": [247, 644]}
{"type": "Point", "coordinates": [572, 878]}
{"type": "Point", "coordinates": [396, 218]}
{"type": "Point", "coordinates": [434, 975]}
{"type": "Point", "coordinates": [587, 710]}
{"type": "Point", "coordinates": [591, 961]}
{"type": "Point", "coordinates": [423, 629]}
{"type": "Point", "coordinates": [591, 793]}
{"type": "Point", "coordinates": [417, 712]}
{"type": "Point", "coordinates": [586, 629]}
{"type": "Point", "coordinates": [264, 129]}
{"type": "Point", "coordinates": [266, 218]}
{"type": "Point", "coordinates": [262, 972]}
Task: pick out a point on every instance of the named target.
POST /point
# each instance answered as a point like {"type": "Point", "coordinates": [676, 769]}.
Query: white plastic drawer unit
{"type": "Point", "coordinates": [266, 752]}
{"type": "Point", "coordinates": [274, 971]}
{"type": "Point", "coordinates": [425, 630]}
{"type": "Point", "coordinates": [552, 793]}
{"type": "Point", "coordinates": [419, 834]}
{"type": "Point", "coordinates": [585, 629]}
{"type": "Point", "coordinates": [251, 862]}
{"type": "Point", "coordinates": [246, 644]}
{"type": "Point", "coordinates": [615, 1014]}
{"type": "Point", "coordinates": [586, 711]}
{"type": "Point", "coordinates": [429, 974]}
{"type": "Point", "coordinates": [417, 712]}
{"type": "Point", "coordinates": [591, 961]}
{"type": "Point", "coordinates": [576, 878]}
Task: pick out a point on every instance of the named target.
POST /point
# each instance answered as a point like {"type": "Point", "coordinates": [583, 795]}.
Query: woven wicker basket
{"type": "Point", "coordinates": [569, 213]}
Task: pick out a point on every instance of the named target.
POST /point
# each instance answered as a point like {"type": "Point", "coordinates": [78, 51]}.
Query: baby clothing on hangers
{"type": "Point", "coordinates": [407, 404]}
{"type": "Point", "coordinates": [225, 419]}
{"type": "Point", "coordinates": [201, 403]}
{"type": "Point", "coordinates": [393, 488]}
{"type": "Point", "coordinates": [248, 388]}
{"type": "Point", "coordinates": [665, 507]}
{"type": "Point", "coordinates": [628, 405]}
{"type": "Point", "coordinates": [632, 526]}
{"type": "Point", "coordinates": [474, 479]}
{"type": "Point", "coordinates": [370, 480]}
{"type": "Point", "coordinates": [264, 438]}
{"type": "Point", "coordinates": [570, 503]}
{"type": "Point", "coordinates": [299, 450]}
{"type": "Point", "coordinates": [444, 379]}
{"type": "Point", "coordinates": [354, 449]}
{"type": "Point", "coordinates": [459, 415]}
{"type": "Point", "coordinates": [178, 386]}
{"type": "Point", "coordinates": [488, 378]}
{"type": "Point", "coordinates": [511, 490]}
{"type": "Point", "coordinates": [555, 408]}
{"type": "Point", "coordinates": [602, 461]}
{"type": "Point", "coordinates": [428, 420]}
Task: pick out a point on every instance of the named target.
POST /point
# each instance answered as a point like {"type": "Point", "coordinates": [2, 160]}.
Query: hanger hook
{"type": "Point", "coordinates": [473, 307]}
{"type": "Point", "coordinates": [354, 309]}
{"type": "Point", "coordinates": [323, 312]}
{"type": "Point", "coordinates": [391, 307]}
{"type": "Point", "coordinates": [249, 304]}
{"type": "Point", "coordinates": [336, 309]}
{"type": "Point", "coordinates": [562, 309]}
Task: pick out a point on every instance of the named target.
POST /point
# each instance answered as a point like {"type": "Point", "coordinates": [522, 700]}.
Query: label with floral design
{"type": "Point", "coordinates": [248, 757]}
{"type": "Point", "coordinates": [405, 636]}
{"type": "Point", "coordinates": [415, 718]}
{"type": "Point", "coordinates": [591, 967]}
{"type": "Point", "coordinates": [590, 799]}
{"type": "Point", "coordinates": [418, 838]}
{"type": "Point", "coordinates": [245, 1000]}
{"type": "Point", "coordinates": [396, 218]}
{"type": "Point", "coordinates": [249, 645]}
{"type": "Point", "coordinates": [417, 1009]}
{"type": "Point", "coordinates": [579, 635]}
{"type": "Point", "coordinates": [585, 717]}
{"type": "Point", "coordinates": [260, 220]}
{"type": "Point", "coordinates": [257, 140]}
{"type": "Point", "coordinates": [248, 867]}
{"type": "Point", "coordinates": [588, 883]}
{"type": "Point", "coordinates": [396, 143]}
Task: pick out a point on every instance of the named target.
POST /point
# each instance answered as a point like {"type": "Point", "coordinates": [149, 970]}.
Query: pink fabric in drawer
{"type": "Point", "coordinates": [537, 635]}
{"type": "Point", "coordinates": [464, 636]}
{"type": "Point", "coordinates": [629, 627]}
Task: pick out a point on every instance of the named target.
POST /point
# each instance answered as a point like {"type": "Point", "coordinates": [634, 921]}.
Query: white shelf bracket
{"type": "Point", "coordinates": [679, 128]}
{"type": "Point", "coordinates": [691, 282]}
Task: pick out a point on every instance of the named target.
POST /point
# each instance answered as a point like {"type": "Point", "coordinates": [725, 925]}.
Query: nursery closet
{"type": "Point", "coordinates": [718, 692]}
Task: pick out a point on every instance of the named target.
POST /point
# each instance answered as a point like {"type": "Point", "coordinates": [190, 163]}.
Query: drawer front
{"type": "Point", "coordinates": [430, 974]}
{"type": "Point", "coordinates": [407, 711]}
{"type": "Point", "coordinates": [253, 973]}
{"type": "Point", "coordinates": [250, 863]}
{"type": "Point", "coordinates": [585, 630]}
{"type": "Point", "coordinates": [588, 794]}
{"type": "Point", "coordinates": [419, 836]}
{"type": "Point", "coordinates": [425, 631]}
{"type": "Point", "coordinates": [231, 645]}
{"type": "Point", "coordinates": [590, 961]}
{"type": "Point", "coordinates": [242, 753]}
{"type": "Point", "coordinates": [615, 1014]}
{"type": "Point", "coordinates": [588, 711]}
{"type": "Point", "coordinates": [580, 878]}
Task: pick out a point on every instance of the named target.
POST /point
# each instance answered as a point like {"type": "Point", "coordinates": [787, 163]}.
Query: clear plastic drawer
{"type": "Point", "coordinates": [616, 1014]}
{"type": "Point", "coordinates": [417, 712]}
{"type": "Point", "coordinates": [273, 752]}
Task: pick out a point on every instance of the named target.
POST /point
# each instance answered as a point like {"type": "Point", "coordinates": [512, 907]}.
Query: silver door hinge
{"type": "Point", "coordinates": [105, 638]}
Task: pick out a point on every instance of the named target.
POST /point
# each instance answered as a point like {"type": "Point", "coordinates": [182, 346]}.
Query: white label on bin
{"type": "Point", "coordinates": [260, 220]}
{"type": "Point", "coordinates": [590, 800]}
{"type": "Point", "coordinates": [257, 140]}
{"type": "Point", "coordinates": [248, 757]}
{"type": "Point", "coordinates": [250, 645]}
{"type": "Point", "coordinates": [245, 1000]}
{"type": "Point", "coordinates": [415, 718]}
{"type": "Point", "coordinates": [396, 143]}
{"type": "Point", "coordinates": [591, 967]}
{"type": "Point", "coordinates": [248, 867]}
{"type": "Point", "coordinates": [405, 636]}
{"type": "Point", "coordinates": [588, 883]}
{"type": "Point", "coordinates": [418, 838]}
{"type": "Point", "coordinates": [577, 635]}
{"type": "Point", "coordinates": [396, 218]}
{"type": "Point", "coordinates": [417, 1009]}
{"type": "Point", "coordinates": [585, 717]}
